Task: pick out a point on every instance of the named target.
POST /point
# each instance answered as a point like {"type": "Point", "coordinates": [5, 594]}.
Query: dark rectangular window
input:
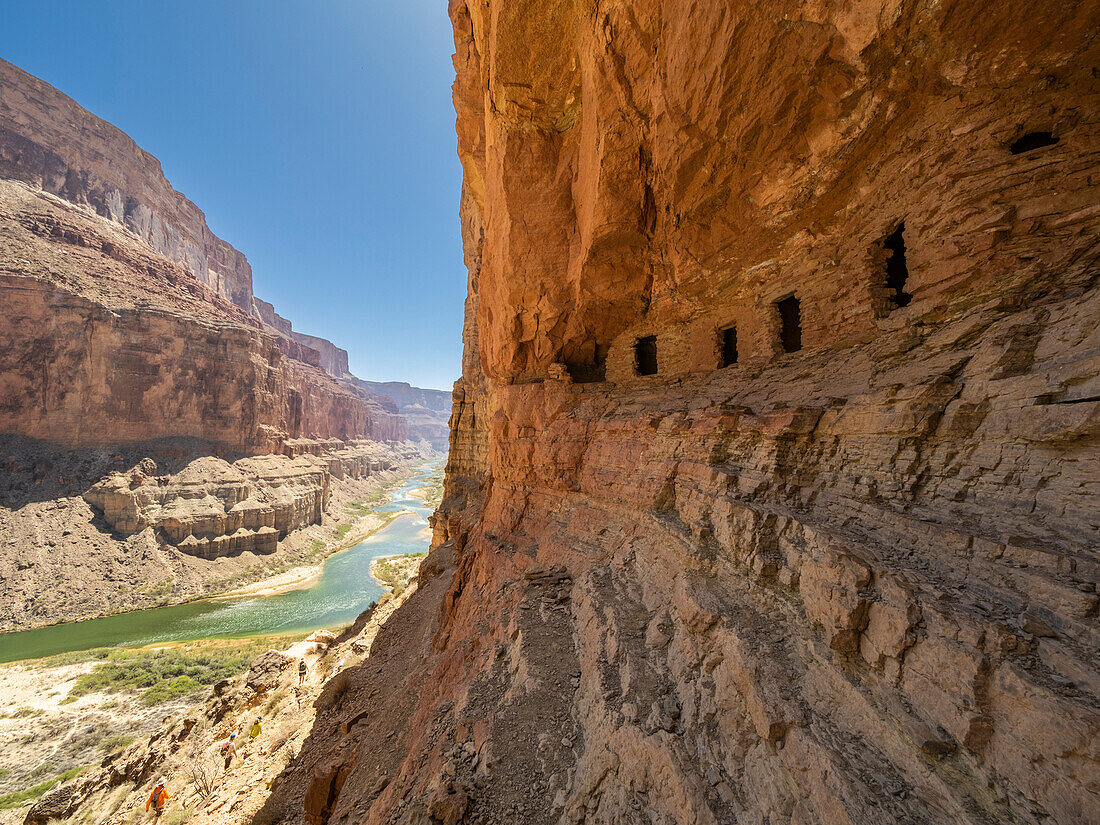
{"type": "Point", "coordinates": [729, 346]}
{"type": "Point", "coordinates": [790, 324]}
{"type": "Point", "coordinates": [1032, 141]}
{"type": "Point", "coordinates": [897, 270]}
{"type": "Point", "coordinates": [645, 355]}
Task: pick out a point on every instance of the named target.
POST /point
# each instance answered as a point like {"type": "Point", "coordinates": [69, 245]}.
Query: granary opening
{"type": "Point", "coordinates": [897, 270]}
{"type": "Point", "coordinates": [729, 346]}
{"type": "Point", "coordinates": [1032, 140]}
{"type": "Point", "coordinates": [645, 355]}
{"type": "Point", "coordinates": [790, 323]}
{"type": "Point", "coordinates": [590, 368]}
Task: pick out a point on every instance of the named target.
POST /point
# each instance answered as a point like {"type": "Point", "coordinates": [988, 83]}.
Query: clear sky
{"type": "Point", "coordinates": [316, 135]}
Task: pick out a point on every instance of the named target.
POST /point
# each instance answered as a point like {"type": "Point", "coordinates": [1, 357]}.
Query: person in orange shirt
{"type": "Point", "coordinates": [158, 799]}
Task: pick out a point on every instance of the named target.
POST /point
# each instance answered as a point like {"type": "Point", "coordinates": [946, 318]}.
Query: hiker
{"type": "Point", "coordinates": [257, 728]}
{"type": "Point", "coordinates": [229, 749]}
{"type": "Point", "coordinates": [158, 799]}
{"type": "Point", "coordinates": [301, 671]}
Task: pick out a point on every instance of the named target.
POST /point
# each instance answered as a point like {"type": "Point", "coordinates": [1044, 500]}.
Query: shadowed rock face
{"type": "Point", "coordinates": [836, 567]}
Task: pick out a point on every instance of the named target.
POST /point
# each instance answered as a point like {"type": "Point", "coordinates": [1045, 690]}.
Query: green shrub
{"type": "Point", "coordinates": [161, 675]}
{"type": "Point", "coordinates": [115, 742]}
{"type": "Point", "coordinates": [343, 530]}
{"type": "Point", "coordinates": [274, 701]}
{"type": "Point", "coordinates": [178, 816]}
{"type": "Point", "coordinates": [22, 712]}
{"type": "Point", "coordinates": [19, 798]}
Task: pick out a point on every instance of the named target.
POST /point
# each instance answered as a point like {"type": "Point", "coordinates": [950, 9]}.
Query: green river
{"type": "Point", "coordinates": [342, 592]}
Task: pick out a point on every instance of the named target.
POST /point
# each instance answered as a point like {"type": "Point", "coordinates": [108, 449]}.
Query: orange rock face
{"type": "Point", "coordinates": [771, 494]}
{"type": "Point", "coordinates": [104, 341]}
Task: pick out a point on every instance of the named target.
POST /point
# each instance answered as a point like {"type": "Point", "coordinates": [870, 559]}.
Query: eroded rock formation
{"type": "Point", "coordinates": [212, 508]}
{"type": "Point", "coordinates": [126, 318]}
{"type": "Point", "coordinates": [128, 332]}
{"type": "Point", "coordinates": [88, 532]}
{"type": "Point", "coordinates": [771, 492]}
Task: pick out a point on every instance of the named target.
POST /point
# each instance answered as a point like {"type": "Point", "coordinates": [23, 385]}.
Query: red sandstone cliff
{"type": "Point", "coordinates": [771, 491]}
{"type": "Point", "coordinates": [126, 318]}
{"type": "Point", "coordinates": [106, 342]}
{"type": "Point", "coordinates": [52, 143]}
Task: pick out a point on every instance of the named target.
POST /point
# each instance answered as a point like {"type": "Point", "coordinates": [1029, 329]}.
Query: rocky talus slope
{"type": "Point", "coordinates": [185, 748]}
{"type": "Point", "coordinates": [772, 492]}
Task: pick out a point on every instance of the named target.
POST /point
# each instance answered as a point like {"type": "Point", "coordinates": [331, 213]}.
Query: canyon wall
{"type": "Point", "coordinates": [126, 318]}
{"type": "Point", "coordinates": [103, 347]}
{"type": "Point", "coordinates": [406, 395]}
{"type": "Point", "coordinates": [129, 339]}
{"type": "Point", "coordinates": [771, 493]}
{"type": "Point", "coordinates": [427, 412]}
{"type": "Point", "coordinates": [51, 142]}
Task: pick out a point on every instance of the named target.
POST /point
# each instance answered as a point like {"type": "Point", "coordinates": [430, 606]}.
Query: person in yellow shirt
{"type": "Point", "coordinates": [158, 799]}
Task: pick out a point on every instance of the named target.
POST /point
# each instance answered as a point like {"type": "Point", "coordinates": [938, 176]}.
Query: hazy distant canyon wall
{"type": "Point", "coordinates": [771, 494]}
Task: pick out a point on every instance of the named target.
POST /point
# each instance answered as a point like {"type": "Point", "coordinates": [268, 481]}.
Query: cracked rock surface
{"type": "Point", "coordinates": [772, 489]}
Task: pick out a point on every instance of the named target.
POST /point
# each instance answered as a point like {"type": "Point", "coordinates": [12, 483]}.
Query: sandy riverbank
{"type": "Point", "coordinates": [296, 579]}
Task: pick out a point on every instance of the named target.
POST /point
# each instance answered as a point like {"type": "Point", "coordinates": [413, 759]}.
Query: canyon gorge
{"type": "Point", "coordinates": [773, 479]}
{"type": "Point", "coordinates": [161, 428]}
{"type": "Point", "coordinates": [772, 491]}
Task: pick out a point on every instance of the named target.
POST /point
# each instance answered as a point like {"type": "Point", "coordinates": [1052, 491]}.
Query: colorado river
{"type": "Point", "coordinates": [342, 592]}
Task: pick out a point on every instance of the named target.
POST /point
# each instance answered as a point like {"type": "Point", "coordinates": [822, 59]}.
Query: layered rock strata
{"type": "Point", "coordinates": [212, 508]}
{"type": "Point", "coordinates": [771, 488]}
{"type": "Point", "coordinates": [105, 341]}
{"type": "Point", "coordinates": [426, 412]}
{"type": "Point", "coordinates": [102, 239]}
{"type": "Point", "coordinates": [52, 143]}
{"type": "Point", "coordinates": [89, 532]}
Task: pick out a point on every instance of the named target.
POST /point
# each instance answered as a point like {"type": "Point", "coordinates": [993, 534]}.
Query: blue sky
{"type": "Point", "coordinates": [318, 138]}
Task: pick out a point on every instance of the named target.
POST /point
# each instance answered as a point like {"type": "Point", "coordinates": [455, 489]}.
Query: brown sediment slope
{"type": "Point", "coordinates": [831, 562]}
